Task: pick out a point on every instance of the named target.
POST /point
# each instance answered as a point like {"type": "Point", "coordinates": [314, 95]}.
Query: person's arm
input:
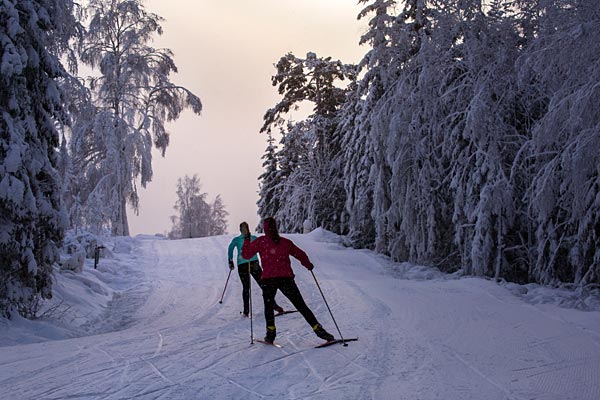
{"type": "Point", "coordinates": [301, 256]}
{"type": "Point", "coordinates": [250, 248]}
{"type": "Point", "coordinates": [230, 253]}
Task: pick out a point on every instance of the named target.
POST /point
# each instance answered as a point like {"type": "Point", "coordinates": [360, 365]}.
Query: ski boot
{"type": "Point", "coordinates": [271, 333]}
{"type": "Point", "coordinates": [322, 333]}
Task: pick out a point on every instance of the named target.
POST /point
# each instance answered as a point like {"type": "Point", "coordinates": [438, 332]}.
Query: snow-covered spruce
{"type": "Point", "coordinates": [33, 35]}
{"type": "Point", "coordinates": [467, 141]}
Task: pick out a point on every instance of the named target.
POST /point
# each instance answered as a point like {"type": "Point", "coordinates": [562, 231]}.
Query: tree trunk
{"type": "Point", "coordinates": [120, 224]}
{"type": "Point", "coordinates": [124, 220]}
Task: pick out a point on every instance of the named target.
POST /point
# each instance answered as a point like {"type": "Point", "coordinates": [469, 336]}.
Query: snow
{"type": "Point", "coordinates": [11, 189]}
{"type": "Point", "coordinates": [148, 324]}
{"type": "Point", "coordinates": [12, 62]}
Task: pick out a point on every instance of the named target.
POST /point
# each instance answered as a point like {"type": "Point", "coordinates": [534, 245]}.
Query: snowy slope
{"type": "Point", "coordinates": [423, 335]}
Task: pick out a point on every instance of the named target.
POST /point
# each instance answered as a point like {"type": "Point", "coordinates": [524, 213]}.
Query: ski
{"type": "Point", "coordinates": [285, 312]}
{"type": "Point", "coordinates": [267, 343]}
{"type": "Point", "coordinates": [334, 341]}
{"type": "Point", "coordinates": [328, 343]}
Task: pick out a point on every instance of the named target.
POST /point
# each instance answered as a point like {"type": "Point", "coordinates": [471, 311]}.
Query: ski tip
{"type": "Point", "coordinates": [285, 312]}
{"type": "Point", "coordinates": [268, 343]}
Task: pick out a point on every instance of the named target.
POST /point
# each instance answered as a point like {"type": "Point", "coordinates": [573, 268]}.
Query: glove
{"type": "Point", "coordinates": [310, 267]}
{"type": "Point", "coordinates": [231, 266]}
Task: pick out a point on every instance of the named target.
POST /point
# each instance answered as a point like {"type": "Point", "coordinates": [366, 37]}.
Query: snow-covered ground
{"type": "Point", "coordinates": [148, 324]}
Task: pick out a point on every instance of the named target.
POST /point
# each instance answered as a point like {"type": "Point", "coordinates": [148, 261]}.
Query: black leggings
{"type": "Point", "coordinates": [256, 272]}
{"type": "Point", "coordinates": [290, 290]}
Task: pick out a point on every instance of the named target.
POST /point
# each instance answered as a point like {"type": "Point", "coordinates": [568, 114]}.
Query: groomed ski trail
{"type": "Point", "coordinates": [419, 339]}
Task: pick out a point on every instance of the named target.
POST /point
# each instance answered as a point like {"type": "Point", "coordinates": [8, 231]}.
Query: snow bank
{"type": "Point", "coordinates": [322, 235]}
{"type": "Point", "coordinates": [586, 299]}
{"type": "Point", "coordinates": [80, 299]}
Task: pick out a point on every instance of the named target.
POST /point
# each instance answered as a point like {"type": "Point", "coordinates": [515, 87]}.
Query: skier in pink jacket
{"type": "Point", "coordinates": [275, 252]}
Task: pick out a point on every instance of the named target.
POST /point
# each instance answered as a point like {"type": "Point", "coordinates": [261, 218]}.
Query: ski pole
{"type": "Point", "coordinates": [330, 313]}
{"type": "Point", "coordinates": [227, 281]}
{"type": "Point", "coordinates": [250, 302]}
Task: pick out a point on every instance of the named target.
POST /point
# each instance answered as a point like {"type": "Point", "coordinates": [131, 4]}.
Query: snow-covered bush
{"type": "Point", "coordinates": [74, 262]}
{"type": "Point", "coordinates": [76, 242]}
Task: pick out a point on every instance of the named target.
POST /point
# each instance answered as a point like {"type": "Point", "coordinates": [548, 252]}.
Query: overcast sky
{"type": "Point", "coordinates": [225, 51]}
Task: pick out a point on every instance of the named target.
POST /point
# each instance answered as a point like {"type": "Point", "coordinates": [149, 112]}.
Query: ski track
{"type": "Point", "coordinates": [167, 337]}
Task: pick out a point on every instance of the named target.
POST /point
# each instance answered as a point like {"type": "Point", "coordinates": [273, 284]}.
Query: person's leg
{"type": "Point", "coordinates": [269, 288]}
{"type": "Point", "coordinates": [291, 291]}
{"type": "Point", "coordinates": [256, 272]}
{"type": "Point", "coordinates": [245, 278]}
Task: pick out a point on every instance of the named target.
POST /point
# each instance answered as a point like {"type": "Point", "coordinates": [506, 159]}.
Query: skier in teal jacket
{"type": "Point", "coordinates": [246, 268]}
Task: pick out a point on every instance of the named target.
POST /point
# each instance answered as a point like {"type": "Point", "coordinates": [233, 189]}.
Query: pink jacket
{"type": "Point", "coordinates": [275, 257]}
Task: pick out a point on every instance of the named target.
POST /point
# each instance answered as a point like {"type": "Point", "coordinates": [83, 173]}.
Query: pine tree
{"type": "Point", "coordinates": [357, 162]}
{"type": "Point", "coordinates": [362, 159]}
{"type": "Point", "coordinates": [268, 202]}
{"type": "Point", "coordinates": [486, 142]}
{"type": "Point", "coordinates": [33, 35]}
{"type": "Point", "coordinates": [468, 142]}
{"type": "Point", "coordinates": [313, 79]}
{"type": "Point", "coordinates": [396, 34]}
{"type": "Point", "coordinates": [562, 66]}
{"type": "Point", "coordinates": [293, 186]}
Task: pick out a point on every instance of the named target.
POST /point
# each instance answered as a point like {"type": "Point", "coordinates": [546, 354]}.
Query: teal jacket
{"type": "Point", "coordinates": [238, 242]}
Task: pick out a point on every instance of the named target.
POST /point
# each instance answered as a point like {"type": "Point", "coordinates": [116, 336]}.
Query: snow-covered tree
{"type": "Point", "coordinates": [218, 217]}
{"type": "Point", "coordinates": [362, 163]}
{"type": "Point", "coordinates": [468, 141]}
{"type": "Point", "coordinates": [562, 65]}
{"type": "Point", "coordinates": [134, 99]}
{"type": "Point", "coordinates": [33, 35]}
{"type": "Point", "coordinates": [396, 33]}
{"type": "Point", "coordinates": [357, 163]}
{"type": "Point", "coordinates": [189, 205]}
{"type": "Point", "coordinates": [484, 139]}
{"type": "Point", "coordinates": [312, 79]}
{"type": "Point", "coordinates": [295, 185]}
{"type": "Point", "coordinates": [268, 200]}
{"type": "Point", "coordinates": [197, 218]}
{"type": "Point", "coordinates": [76, 154]}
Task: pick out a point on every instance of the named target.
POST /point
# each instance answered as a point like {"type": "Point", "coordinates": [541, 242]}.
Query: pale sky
{"type": "Point", "coordinates": [225, 51]}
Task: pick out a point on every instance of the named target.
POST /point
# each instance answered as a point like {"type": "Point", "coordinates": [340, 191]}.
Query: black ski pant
{"type": "Point", "coordinates": [288, 287]}
{"type": "Point", "coordinates": [244, 272]}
